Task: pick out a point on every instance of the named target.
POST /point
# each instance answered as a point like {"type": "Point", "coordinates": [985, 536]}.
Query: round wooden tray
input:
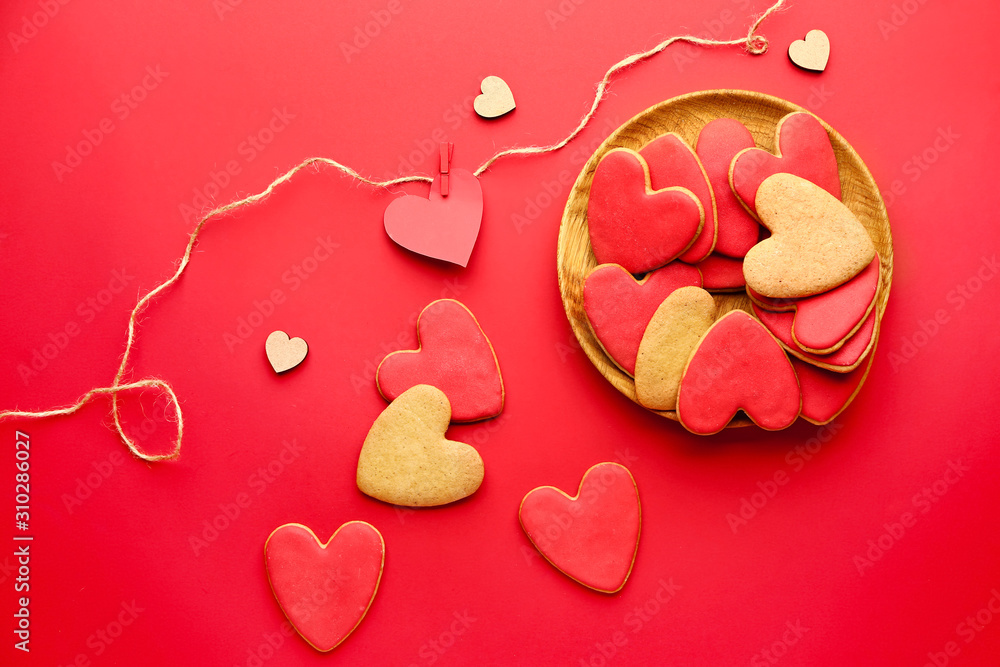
{"type": "Point", "coordinates": [686, 115]}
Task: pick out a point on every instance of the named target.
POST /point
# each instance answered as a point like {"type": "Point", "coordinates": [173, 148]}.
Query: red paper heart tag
{"type": "Point", "coordinates": [593, 536]}
{"type": "Point", "coordinates": [325, 589]}
{"type": "Point", "coordinates": [440, 227]}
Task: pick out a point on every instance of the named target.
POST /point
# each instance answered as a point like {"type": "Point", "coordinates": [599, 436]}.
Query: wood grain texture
{"type": "Point", "coordinates": [686, 115]}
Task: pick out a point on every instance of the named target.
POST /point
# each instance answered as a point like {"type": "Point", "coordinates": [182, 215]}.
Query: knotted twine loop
{"type": "Point", "coordinates": [753, 43]}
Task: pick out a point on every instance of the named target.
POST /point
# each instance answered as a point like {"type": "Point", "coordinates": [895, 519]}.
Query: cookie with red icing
{"type": "Point", "coordinates": [324, 590]}
{"type": "Point", "coordinates": [718, 144]}
{"type": "Point", "coordinates": [591, 537]}
{"type": "Point", "coordinates": [722, 274]}
{"type": "Point", "coordinates": [633, 225]}
{"type": "Point", "coordinates": [454, 355]}
{"type": "Point", "coordinates": [619, 307]}
{"type": "Point", "coordinates": [844, 360]}
{"type": "Point", "coordinates": [672, 163]}
{"type": "Point", "coordinates": [804, 149]}
{"type": "Point", "coordinates": [823, 323]}
{"type": "Point", "coordinates": [825, 394]}
{"type": "Point", "coordinates": [738, 365]}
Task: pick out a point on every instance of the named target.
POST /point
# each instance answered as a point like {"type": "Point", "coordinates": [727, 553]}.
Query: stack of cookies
{"type": "Point", "coordinates": [673, 227]}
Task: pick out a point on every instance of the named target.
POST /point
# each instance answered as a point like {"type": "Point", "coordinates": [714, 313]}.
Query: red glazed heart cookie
{"type": "Point", "coordinates": [591, 537]}
{"type": "Point", "coordinates": [804, 149]}
{"type": "Point", "coordinates": [672, 163]}
{"type": "Point", "coordinates": [737, 366]}
{"type": "Point", "coordinates": [455, 356]}
{"type": "Point", "coordinates": [825, 394]}
{"type": "Point", "coordinates": [722, 274]}
{"type": "Point", "coordinates": [718, 143]}
{"type": "Point", "coordinates": [847, 357]}
{"type": "Point", "coordinates": [324, 589]}
{"type": "Point", "coordinates": [633, 225]}
{"type": "Point", "coordinates": [822, 323]}
{"type": "Point", "coordinates": [619, 307]}
{"type": "Point", "coordinates": [441, 227]}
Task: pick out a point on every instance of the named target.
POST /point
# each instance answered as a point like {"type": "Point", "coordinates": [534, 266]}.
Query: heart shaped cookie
{"type": "Point", "coordinates": [496, 99]}
{"type": "Point", "coordinates": [591, 537]}
{"type": "Point", "coordinates": [672, 163]}
{"type": "Point", "coordinates": [619, 307]}
{"type": "Point", "coordinates": [718, 143]}
{"type": "Point", "coordinates": [722, 274]}
{"type": "Point", "coordinates": [406, 460]}
{"type": "Point", "coordinates": [844, 360]}
{"type": "Point", "coordinates": [737, 366]}
{"type": "Point", "coordinates": [804, 149]}
{"type": "Point", "coordinates": [454, 355]}
{"type": "Point", "coordinates": [825, 394]}
{"type": "Point", "coordinates": [632, 225]}
{"type": "Point", "coordinates": [816, 242]}
{"type": "Point", "coordinates": [811, 53]}
{"type": "Point", "coordinates": [284, 353]}
{"type": "Point", "coordinates": [324, 590]}
{"type": "Point", "coordinates": [673, 333]}
{"type": "Point", "coordinates": [822, 323]}
{"type": "Point", "coordinates": [440, 227]}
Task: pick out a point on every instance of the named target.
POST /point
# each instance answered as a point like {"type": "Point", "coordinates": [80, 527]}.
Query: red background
{"type": "Point", "coordinates": [930, 399]}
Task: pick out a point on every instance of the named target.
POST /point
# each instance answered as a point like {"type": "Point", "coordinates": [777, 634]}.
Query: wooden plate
{"type": "Point", "coordinates": [686, 115]}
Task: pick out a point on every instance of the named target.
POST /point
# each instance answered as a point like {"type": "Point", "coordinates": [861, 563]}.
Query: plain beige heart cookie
{"type": "Point", "coordinates": [406, 460]}
{"type": "Point", "coordinates": [496, 99]}
{"type": "Point", "coordinates": [673, 333]}
{"type": "Point", "coordinates": [816, 242]}
{"type": "Point", "coordinates": [283, 352]}
{"type": "Point", "coordinates": [811, 53]}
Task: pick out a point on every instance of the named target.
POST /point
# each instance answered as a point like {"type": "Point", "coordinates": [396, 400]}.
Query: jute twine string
{"type": "Point", "coordinates": [753, 43]}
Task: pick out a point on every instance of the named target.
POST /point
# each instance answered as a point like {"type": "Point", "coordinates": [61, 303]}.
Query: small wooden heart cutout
{"type": "Point", "coordinates": [283, 352]}
{"type": "Point", "coordinates": [811, 53]}
{"type": "Point", "coordinates": [496, 99]}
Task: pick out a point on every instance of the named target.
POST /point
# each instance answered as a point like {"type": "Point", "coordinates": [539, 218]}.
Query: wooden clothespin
{"type": "Point", "coordinates": [447, 148]}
